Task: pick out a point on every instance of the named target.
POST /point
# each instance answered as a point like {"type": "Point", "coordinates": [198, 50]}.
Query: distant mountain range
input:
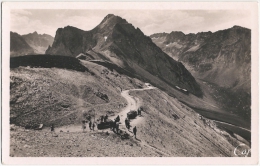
{"type": "Point", "coordinates": [38, 42]}
{"type": "Point", "coordinates": [119, 42]}
{"type": "Point", "coordinates": [32, 43]}
{"type": "Point", "coordinates": [18, 46]}
{"type": "Point", "coordinates": [222, 57]}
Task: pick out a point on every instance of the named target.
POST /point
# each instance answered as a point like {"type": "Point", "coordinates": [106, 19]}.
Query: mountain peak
{"type": "Point", "coordinates": [111, 15]}
{"type": "Point", "coordinates": [177, 32]}
{"type": "Point", "coordinates": [110, 21]}
{"type": "Point", "coordinates": [35, 33]}
{"type": "Point", "coordinates": [70, 27]}
{"type": "Point", "coordinates": [236, 26]}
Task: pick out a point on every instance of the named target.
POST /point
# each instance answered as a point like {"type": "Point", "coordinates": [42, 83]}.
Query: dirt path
{"type": "Point", "coordinates": [133, 104]}
{"type": "Point", "coordinates": [229, 124]}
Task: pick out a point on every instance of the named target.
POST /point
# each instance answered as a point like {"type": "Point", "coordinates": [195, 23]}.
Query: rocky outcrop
{"type": "Point", "coordinates": [119, 42]}
{"type": "Point", "coordinates": [176, 42]}
{"type": "Point", "coordinates": [18, 46]}
{"type": "Point", "coordinates": [38, 42]}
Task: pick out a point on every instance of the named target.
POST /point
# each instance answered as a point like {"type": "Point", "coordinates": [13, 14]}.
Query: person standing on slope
{"type": "Point", "coordinates": [138, 110]}
{"type": "Point", "coordinates": [126, 123]}
{"type": "Point", "coordinates": [83, 126]}
{"type": "Point", "coordinates": [102, 118]}
{"type": "Point", "coordinates": [105, 118]}
{"type": "Point", "coordinates": [52, 128]}
{"type": "Point", "coordinates": [93, 126]}
{"type": "Point", "coordinates": [135, 130]}
{"type": "Point", "coordinates": [90, 125]}
{"type": "Point", "coordinates": [117, 119]}
{"type": "Point", "coordinates": [117, 127]}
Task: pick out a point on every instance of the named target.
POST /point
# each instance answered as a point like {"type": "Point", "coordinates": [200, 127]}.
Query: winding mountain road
{"type": "Point", "coordinates": [133, 104]}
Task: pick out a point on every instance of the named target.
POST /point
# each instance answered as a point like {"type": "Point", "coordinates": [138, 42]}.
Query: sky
{"type": "Point", "coordinates": [149, 21]}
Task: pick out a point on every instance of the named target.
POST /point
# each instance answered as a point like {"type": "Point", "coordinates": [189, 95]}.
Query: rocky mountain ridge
{"type": "Point", "coordinates": [220, 61]}
{"type": "Point", "coordinates": [222, 57]}
{"type": "Point", "coordinates": [117, 41]}
{"type": "Point", "coordinates": [32, 43]}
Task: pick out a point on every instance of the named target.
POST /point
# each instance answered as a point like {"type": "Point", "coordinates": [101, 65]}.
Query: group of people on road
{"type": "Point", "coordinates": [114, 125]}
{"type": "Point", "coordinates": [127, 124]}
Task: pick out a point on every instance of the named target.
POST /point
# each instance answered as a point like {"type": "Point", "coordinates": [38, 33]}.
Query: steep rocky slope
{"type": "Point", "coordinates": [61, 95]}
{"type": "Point", "coordinates": [222, 57]}
{"type": "Point", "coordinates": [18, 46]}
{"type": "Point", "coordinates": [176, 42]}
{"type": "Point", "coordinates": [38, 42]}
{"type": "Point", "coordinates": [117, 41]}
{"type": "Point", "coordinates": [65, 97]}
{"type": "Point", "coordinates": [221, 60]}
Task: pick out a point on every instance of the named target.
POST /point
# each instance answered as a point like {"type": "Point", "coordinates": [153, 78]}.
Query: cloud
{"type": "Point", "coordinates": [149, 21]}
{"type": "Point", "coordinates": [20, 12]}
{"type": "Point", "coordinates": [81, 22]}
{"type": "Point", "coordinates": [23, 24]}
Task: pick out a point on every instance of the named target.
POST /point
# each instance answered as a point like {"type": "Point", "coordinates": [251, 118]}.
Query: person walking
{"type": "Point", "coordinates": [114, 126]}
{"type": "Point", "coordinates": [126, 123]}
{"type": "Point", "coordinates": [102, 118]}
{"type": "Point", "coordinates": [52, 128]}
{"type": "Point", "coordinates": [90, 125]}
{"type": "Point", "coordinates": [93, 126]}
{"type": "Point", "coordinates": [135, 130]}
{"type": "Point", "coordinates": [139, 111]}
{"type": "Point", "coordinates": [84, 126]}
{"type": "Point", "coordinates": [117, 127]}
{"type": "Point", "coordinates": [117, 119]}
{"type": "Point", "coordinates": [105, 118]}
